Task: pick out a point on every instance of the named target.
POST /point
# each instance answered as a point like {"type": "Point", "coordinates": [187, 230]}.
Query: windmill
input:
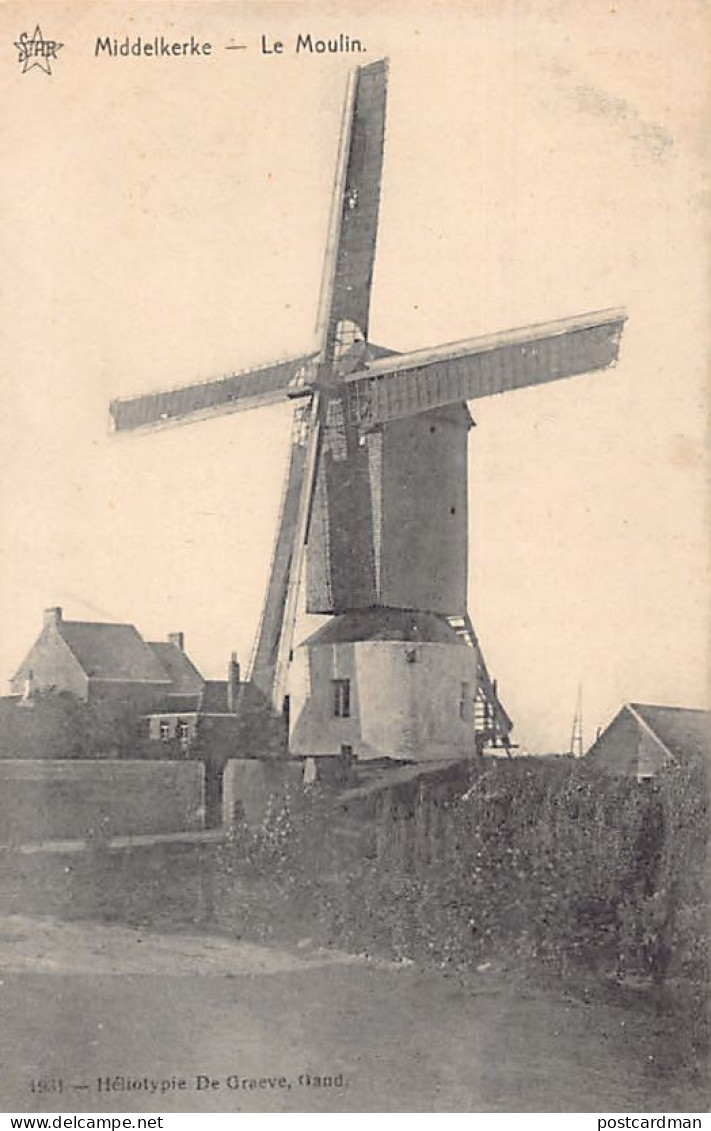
{"type": "Point", "coordinates": [375, 498]}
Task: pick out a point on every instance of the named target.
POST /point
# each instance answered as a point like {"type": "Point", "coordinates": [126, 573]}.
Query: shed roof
{"type": "Point", "coordinates": [684, 731]}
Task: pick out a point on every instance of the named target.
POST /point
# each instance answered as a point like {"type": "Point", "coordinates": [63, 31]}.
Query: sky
{"type": "Point", "coordinates": [165, 222]}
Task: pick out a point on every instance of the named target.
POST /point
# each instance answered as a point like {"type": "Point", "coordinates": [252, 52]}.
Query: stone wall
{"type": "Point", "coordinates": [251, 785]}
{"type": "Point", "coordinates": [76, 800]}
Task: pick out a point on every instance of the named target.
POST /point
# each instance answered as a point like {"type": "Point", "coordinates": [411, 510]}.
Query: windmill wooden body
{"type": "Point", "coordinates": [375, 499]}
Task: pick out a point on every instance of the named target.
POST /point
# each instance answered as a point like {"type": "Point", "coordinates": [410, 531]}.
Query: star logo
{"type": "Point", "coordinates": [36, 51]}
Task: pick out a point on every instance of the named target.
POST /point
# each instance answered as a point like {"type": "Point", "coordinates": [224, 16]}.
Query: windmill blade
{"type": "Point", "coordinates": [300, 536]}
{"type": "Point", "coordinates": [264, 657]}
{"type": "Point", "coordinates": [348, 271]}
{"type": "Point", "coordinates": [392, 388]}
{"type": "Point", "coordinates": [253, 388]}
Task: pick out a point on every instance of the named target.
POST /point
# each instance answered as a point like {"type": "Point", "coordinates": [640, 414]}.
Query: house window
{"type": "Point", "coordinates": [164, 731]}
{"type": "Point", "coordinates": [183, 731]}
{"type": "Point", "coordinates": [464, 701]}
{"type": "Point", "coordinates": [341, 698]}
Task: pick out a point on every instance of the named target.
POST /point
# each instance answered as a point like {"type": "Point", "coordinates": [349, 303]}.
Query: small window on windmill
{"type": "Point", "coordinates": [464, 701]}
{"type": "Point", "coordinates": [341, 698]}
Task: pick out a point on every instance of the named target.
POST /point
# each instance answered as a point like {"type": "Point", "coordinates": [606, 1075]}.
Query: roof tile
{"type": "Point", "coordinates": [112, 651]}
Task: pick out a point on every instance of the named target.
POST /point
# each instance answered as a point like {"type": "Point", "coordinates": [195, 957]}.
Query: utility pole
{"type": "Point", "coordinates": [576, 737]}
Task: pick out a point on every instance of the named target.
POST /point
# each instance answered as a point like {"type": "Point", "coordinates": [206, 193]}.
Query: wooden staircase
{"type": "Point", "coordinates": [492, 724]}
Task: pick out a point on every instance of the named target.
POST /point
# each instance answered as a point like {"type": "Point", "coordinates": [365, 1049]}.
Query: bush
{"type": "Point", "coordinates": [58, 725]}
{"type": "Point", "coordinates": [555, 864]}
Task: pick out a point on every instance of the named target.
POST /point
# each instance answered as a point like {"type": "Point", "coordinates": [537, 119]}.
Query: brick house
{"type": "Point", "coordinates": [172, 711]}
{"type": "Point", "coordinates": [111, 664]}
{"type": "Point", "coordinates": [107, 663]}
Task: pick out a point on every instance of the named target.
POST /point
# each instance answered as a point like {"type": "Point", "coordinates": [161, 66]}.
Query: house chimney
{"type": "Point", "coordinates": [28, 689]}
{"type": "Point", "coordinates": [53, 615]}
{"type": "Point", "coordinates": [232, 684]}
{"type": "Point", "coordinates": [177, 638]}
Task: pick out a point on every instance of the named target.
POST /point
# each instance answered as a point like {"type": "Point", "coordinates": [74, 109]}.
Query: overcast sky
{"type": "Point", "coordinates": [165, 222]}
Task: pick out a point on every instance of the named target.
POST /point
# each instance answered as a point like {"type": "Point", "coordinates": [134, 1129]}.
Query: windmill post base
{"type": "Point", "coordinates": [384, 683]}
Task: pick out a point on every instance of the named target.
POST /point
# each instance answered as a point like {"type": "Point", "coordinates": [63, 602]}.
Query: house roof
{"type": "Point", "coordinates": [214, 697]}
{"type": "Point", "coordinates": [176, 705]}
{"type": "Point", "coordinates": [210, 700]}
{"type": "Point", "coordinates": [684, 731]}
{"type": "Point", "coordinates": [179, 668]}
{"type": "Point", "coordinates": [112, 651]}
{"type": "Point", "coordinates": [386, 624]}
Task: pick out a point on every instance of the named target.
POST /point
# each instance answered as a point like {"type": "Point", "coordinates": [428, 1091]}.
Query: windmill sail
{"type": "Point", "coordinates": [348, 276]}
{"type": "Point", "coordinates": [302, 519]}
{"type": "Point", "coordinates": [341, 555]}
{"type": "Point", "coordinates": [253, 388]}
{"type": "Point", "coordinates": [264, 657]}
{"type": "Point", "coordinates": [361, 201]}
{"type": "Point", "coordinates": [393, 388]}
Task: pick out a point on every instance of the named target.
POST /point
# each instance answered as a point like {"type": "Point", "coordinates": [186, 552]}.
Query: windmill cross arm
{"type": "Point", "coordinates": [236, 392]}
{"type": "Point", "coordinates": [392, 388]}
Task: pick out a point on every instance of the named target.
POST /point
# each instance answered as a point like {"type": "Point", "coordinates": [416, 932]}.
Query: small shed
{"type": "Point", "coordinates": [642, 738]}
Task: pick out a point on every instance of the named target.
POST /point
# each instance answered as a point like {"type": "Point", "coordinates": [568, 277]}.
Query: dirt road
{"type": "Point", "coordinates": [130, 1020]}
